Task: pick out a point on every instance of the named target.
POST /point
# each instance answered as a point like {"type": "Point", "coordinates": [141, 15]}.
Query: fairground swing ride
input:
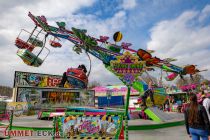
{"type": "Point", "coordinates": [129, 63]}
{"type": "Point", "coordinates": [98, 47]}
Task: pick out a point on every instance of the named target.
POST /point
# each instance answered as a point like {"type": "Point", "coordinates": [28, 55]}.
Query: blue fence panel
{"type": "Point", "coordinates": [112, 101]}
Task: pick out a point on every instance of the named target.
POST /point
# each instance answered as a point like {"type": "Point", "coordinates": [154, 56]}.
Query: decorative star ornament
{"type": "Point", "coordinates": [128, 67]}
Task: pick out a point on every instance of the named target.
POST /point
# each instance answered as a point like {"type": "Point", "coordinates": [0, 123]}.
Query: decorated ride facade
{"type": "Point", "coordinates": [39, 91]}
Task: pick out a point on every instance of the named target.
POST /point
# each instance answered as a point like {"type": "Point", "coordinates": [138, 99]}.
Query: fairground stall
{"type": "Point", "coordinates": [41, 91]}
{"type": "Point", "coordinates": [113, 96]}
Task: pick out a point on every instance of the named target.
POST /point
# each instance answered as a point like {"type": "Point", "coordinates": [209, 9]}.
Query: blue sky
{"type": "Point", "coordinates": [142, 17]}
{"type": "Point", "coordinates": [173, 28]}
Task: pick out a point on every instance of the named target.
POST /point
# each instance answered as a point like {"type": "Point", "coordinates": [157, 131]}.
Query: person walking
{"type": "Point", "coordinates": [206, 104]}
{"type": "Point", "coordinates": [196, 120]}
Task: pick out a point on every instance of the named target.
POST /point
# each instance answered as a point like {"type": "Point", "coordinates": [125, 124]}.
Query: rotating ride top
{"type": "Point", "coordinates": [98, 47]}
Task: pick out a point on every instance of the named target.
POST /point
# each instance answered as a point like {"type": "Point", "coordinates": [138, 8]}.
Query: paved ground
{"type": "Point", "coordinates": [32, 121]}
{"type": "Point", "coordinates": [172, 133]}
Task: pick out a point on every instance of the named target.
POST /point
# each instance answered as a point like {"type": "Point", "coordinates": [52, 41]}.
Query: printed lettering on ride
{"type": "Point", "coordinates": [31, 133]}
{"type": "Point", "coordinates": [89, 127]}
{"type": "Point", "coordinates": [52, 82]}
{"type": "Point", "coordinates": [36, 79]}
{"type": "Point", "coordinates": [18, 133]}
{"type": "Point", "coordinates": [127, 67]}
{"type": "Point", "coordinates": [127, 63]}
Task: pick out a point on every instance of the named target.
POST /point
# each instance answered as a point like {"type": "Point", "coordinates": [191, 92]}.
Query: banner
{"type": "Point", "coordinates": [83, 126]}
{"type": "Point", "coordinates": [36, 79]}
{"type": "Point", "coordinates": [158, 99]}
{"type": "Point", "coordinates": [161, 91]}
{"type": "Point", "coordinates": [127, 67]}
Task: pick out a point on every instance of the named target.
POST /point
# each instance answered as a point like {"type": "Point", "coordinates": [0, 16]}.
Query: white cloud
{"type": "Point", "coordinates": [129, 4]}
{"type": "Point", "coordinates": [96, 26]}
{"type": "Point", "coordinates": [181, 38]}
{"type": "Point", "coordinates": [204, 13]}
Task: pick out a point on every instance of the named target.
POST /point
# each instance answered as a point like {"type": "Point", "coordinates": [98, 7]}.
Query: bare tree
{"type": "Point", "coordinates": [181, 82]}
{"type": "Point", "coordinates": [196, 79]}
{"type": "Point", "coordinates": [5, 91]}
{"type": "Point", "coordinates": [206, 81]}
{"type": "Point", "coordinates": [148, 78]}
{"type": "Point", "coordinates": [94, 84]}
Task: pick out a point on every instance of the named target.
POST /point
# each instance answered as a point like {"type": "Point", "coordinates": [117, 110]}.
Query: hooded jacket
{"type": "Point", "coordinates": [203, 121]}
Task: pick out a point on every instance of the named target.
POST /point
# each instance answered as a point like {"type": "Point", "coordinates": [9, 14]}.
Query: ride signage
{"type": "Point", "coordinates": [89, 126]}
{"type": "Point", "coordinates": [28, 79]}
{"type": "Point", "coordinates": [127, 67]}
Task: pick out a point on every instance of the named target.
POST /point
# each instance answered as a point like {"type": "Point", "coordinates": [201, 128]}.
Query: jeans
{"type": "Point", "coordinates": [197, 133]}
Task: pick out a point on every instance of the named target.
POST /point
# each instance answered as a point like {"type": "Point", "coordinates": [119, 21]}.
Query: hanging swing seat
{"type": "Point", "coordinates": [23, 45]}
{"type": "Point", "coordinates": [171, 77]}
{"type": "Point", "coordinates": [29, 58]}
{"type": "Point", "coordinates": [55, 44]}
{"type": "Point", "coordinates": [36, 42]}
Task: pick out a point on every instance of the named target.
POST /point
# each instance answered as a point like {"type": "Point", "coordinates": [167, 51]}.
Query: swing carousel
{"type": "Point", "coordinates": [123, 61]}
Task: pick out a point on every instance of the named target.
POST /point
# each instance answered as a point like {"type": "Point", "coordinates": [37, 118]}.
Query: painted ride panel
{"type": "Point", "coordinates": [88, 126]}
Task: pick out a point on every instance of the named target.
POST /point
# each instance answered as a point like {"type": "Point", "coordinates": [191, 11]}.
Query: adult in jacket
{"type": "Point", "coordinates": [196, 120]}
